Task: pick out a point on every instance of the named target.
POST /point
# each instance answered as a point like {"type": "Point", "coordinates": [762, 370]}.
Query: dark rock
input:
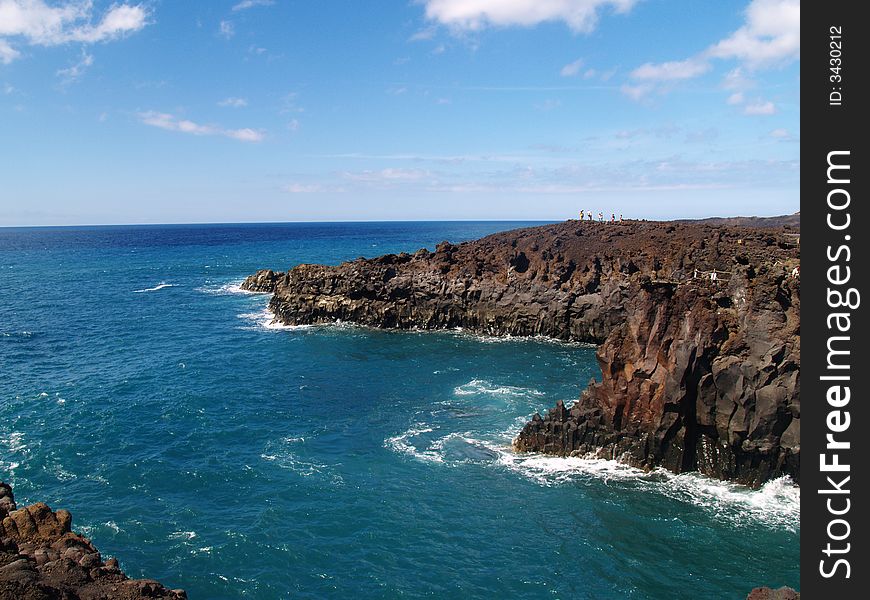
{"type": "Point", "coordinates": [263, 281]}
{"type": "Point", "coordinates": [42, 558]}
{"type": "Point", "coordinates": [766, 593]}
{"type": "Point", "coordinates": [697, 373]}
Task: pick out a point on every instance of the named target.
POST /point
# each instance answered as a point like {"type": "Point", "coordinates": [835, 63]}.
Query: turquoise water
{"type": "Point", "coordinates": [140, 388]}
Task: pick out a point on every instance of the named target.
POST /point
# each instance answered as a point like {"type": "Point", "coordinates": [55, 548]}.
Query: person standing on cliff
{"type": "Point", "coordinates": [590, 215]}
{"type": "Point", "coordinates": [581, 216]}
{"type": "Point", "coordinates": [600, 217]}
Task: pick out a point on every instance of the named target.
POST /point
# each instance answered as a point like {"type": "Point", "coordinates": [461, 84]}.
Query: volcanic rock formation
{"type": "Point", "coordinates": [697, 327]}
{"type": "Point", "coordinates": [41, 558]}
{"type": "Point", "coordinates": [766, 593]}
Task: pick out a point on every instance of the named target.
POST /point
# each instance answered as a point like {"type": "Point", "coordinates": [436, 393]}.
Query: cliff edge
{"type": "Point", "coordinates": [41, 558]}
{"type": "Point", "coordinates": [697, 326]}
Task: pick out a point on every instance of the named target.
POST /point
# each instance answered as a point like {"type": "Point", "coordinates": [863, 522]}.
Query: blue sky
{"type": "Point", "coordinates": [284, 110]}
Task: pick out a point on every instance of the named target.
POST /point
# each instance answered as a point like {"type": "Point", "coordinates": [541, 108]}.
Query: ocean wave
{"type": "Point", "coordinates": [14, 441]}
{"type": "Point", "coordinates": [227, 289]}
{"type": "Point", "coordinates": [776, 504]}
{"type": "Point", "coordinates": [508, 338]}
{"type": "Point", "coordinates": [283, 456]}
{"type": "Point", "coordinates": [401, 444]}
{"type": "Point", "coordinates": [265, 319]}
{"type": "Point", "coordinates": [16, 334]}
{"type": "Point", "coordinates": [487, 388]}
{"type": "Point", "coordinates": [159, 286]}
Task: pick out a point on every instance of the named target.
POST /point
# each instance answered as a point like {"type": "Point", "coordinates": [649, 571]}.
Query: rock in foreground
{"type": "Point", "coordinates": [766, 593]}
{"type": "Point", "coordinates": [698, 327]}
{"type": "Point", "coordinates": [41, 558]}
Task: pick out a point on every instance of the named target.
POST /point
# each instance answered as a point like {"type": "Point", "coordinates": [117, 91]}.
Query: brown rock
{"type": "Point", "coordinates": [766, 593]}
{"type": "Point", "coordinates": [697, 373]}
{"type": "Point", "coordinates": [41, 558]}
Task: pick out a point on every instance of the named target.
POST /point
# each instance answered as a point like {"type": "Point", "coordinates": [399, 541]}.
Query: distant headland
{"type": "Point", "coordinates": [697, 325]}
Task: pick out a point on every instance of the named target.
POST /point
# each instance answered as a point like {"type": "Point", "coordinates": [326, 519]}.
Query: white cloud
{"type": "Point", "coordinates": [246, 4]}
{"type": "Point", "coordinates": [73, 73]}
{"type": "Point", "coordinates": [233, 102]}
{"type": "Point", "coordinates": [116, 22]}
{"type": "Point", "coordinates": [736, 98]}
{"type": "Point", "coordinates": [637, 92]}
{"type": "Point", "coordinates": [737, 81]}
{"type": "Point", "coordinates": [389, 175]}
{"type": "Point", "coordinates": [671, 71]}
{"type": "Point", "coordinates": [7, 52]}
{"type": "Point", "coordinates": [474, 15]}
{"type": "Point", "coordinates": [572, 68]}
{"type": "Point", "coordinates": [659, 77]}
{"type": "Point", "coordinates": [172, 123]}
{"type": "Point", "coordinates": [36, 23]}
{"type": "Point", "coordinates": [780, 134]}
{"type": "Point", "coordinates": [760, 107]}
{"type": "Point", "coordinates": [244, 135]}
{"type": "Point", "coordinates": [422, 35]}
{"type": "Point", "coordinates": [289, 105]}
{"type": "Point", "coordinates": [770, 36]}
{"type": "Point", "coordinates": [226, 29]}
{"type": "Point", "coordinates": [302, 188]}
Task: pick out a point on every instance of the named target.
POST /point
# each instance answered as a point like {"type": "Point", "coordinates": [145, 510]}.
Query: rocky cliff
{"type": "Point", "coordinates": [41, 558]}
{"type": "Point", "coordinates": [698, 328]}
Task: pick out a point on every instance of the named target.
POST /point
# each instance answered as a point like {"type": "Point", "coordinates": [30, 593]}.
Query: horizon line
{"type": "Point", "coordinates": [313, 222]}
{"type": "Point", "coordinates": [317, 221]}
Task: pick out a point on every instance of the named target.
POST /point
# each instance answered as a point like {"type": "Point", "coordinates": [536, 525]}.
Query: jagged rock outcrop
{"type": "Point", "coordinates": [699, 371]}
{"type": "Point", "coordinates": [41, 558]}
{"type": "Point", "coordinates": [262, 281]}
{"type": "Point", "coordinates": [766, 593]}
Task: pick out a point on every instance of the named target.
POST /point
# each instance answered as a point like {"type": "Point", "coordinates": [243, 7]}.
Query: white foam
{"type": "Point", "coordinates": [113, 526]}
{"type": "Point", "coordinates": [159, 286]}
{"type": "Point", "coordinates": [228, 288]}
{"type": "Point", "coordinates": [24, 334]}
{"type": "Point", "coordinates": [776, 504]}
{"type": "Point", "coordinates": [14, 441]}
{"type": "Point", "coordinates": [508, 338]}
{"type": "Point", "coordinates": [285, 458]}
{"type": "Point", "coordinates": [265, 319]}
{"type": "Point", "coordinates": [400, 443]}
{"type": "Point", "coordinates": [484, 387]}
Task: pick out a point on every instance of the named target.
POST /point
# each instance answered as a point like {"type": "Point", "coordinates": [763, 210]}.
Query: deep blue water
{"type": "Point", "coordinates": [142, 390]}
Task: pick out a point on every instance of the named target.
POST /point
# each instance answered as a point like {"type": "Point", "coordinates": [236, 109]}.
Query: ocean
{"type": "Point", "coordinates": [141, 389]}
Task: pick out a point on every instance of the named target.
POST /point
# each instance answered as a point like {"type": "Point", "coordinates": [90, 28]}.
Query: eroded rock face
{"type": "Point", "coordinates": [766, 593]}
{"type": "Point", "coordinates": [697, 373]}
{"type": "Point", "coordinates": [42, 558]}
{"type": "Point", "coordinates": [264, 280]}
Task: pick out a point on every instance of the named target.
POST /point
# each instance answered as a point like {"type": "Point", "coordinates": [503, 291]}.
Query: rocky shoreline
{"type": "Point", "coordinates": [41, 558]}
{"type": "Point", "coordinates": [697, 326]}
